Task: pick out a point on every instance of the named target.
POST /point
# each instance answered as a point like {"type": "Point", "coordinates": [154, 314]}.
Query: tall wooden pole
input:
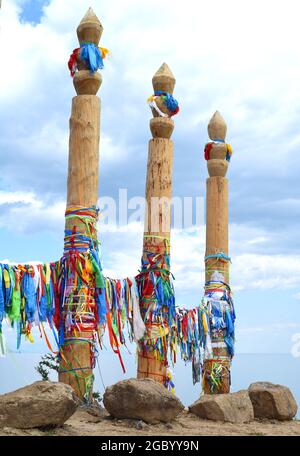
{"type": "Point", "coordinates": [77, 357]}
{"type": "Point", "coordinates": [216, 372]}
{"type": "Point", "coordinates": [152, 361]}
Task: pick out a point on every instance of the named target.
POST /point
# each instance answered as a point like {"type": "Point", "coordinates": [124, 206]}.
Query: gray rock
{"type": "Point", "coordinates": [142, 399]}
{"type": "Point", "coordinates": [272, 401]}
{"type": "Point", "coordinates": [140, 425]}
{"type": "Point", "coordinates": [94, 410]}
{"type": "Point", "coordinates": [38, 405]}
{"type": "Point", "coordinates": [231, 407]}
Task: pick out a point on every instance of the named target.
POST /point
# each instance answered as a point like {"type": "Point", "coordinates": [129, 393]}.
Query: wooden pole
{"type": "Point", "coordinates": [157, 225]}
{"type": "Point", "coordinates": [76, 362]}
{"type": "Point", "coordinates": [216, 255]}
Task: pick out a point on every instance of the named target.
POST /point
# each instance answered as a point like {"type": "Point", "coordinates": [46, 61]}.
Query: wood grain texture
{"type": "Point", "coordinates": [216, 215]}
{"type": "Point", "coordinates": [159, 187]}
{"type": "Point", "coordinates": [83, 165]}
{"type": "Point", "coordinates": [157, 223]}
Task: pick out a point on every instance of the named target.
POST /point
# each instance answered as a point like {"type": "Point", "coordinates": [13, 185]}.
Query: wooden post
{"type": "Point", "coordinates": [76, 363]}
{"type": "Point", "coordinates": [157, 227]}
{"type": "Point", "coordinates": [217, 365]}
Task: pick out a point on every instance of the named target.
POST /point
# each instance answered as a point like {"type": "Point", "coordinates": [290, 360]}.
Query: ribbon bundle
{"type": "Point", "coordinates": [79, 279]}
{"type": "Point", "coordinates": [119, 307]}
{"type": "Point", "coordinates": [157, 302]}
{"type": "Point", "coordinates": [185, 334]}
{"type": "Point", "coordinates": [90, 54]}
{"type": "Point", "coordinates": [216, 325]}
{"type": "Point", "coordinates": [209, 146]}
{"type": "Point", "coordinates": [215, 374]}
{"type": "Point", "coordinates": [168, 100]}
{"type": "Point", "coordinates": [27, 297]}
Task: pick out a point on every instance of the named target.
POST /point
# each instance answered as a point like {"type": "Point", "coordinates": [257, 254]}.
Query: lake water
{"type": "Point", "coordinates": [17, 370]}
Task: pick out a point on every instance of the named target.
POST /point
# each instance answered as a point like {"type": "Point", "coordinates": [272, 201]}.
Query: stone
{"type": "Point", "coordinates": [272, 401]}
{"type": "Point", "coordinates": [139, 425]}
{"type": "Point", "coordinates": [95, 410]}
{"type": "Point", "coordinates": [141, 399]}
{"type": "Point", "coordinates": [40, 404]}
{"type": "Point", "coordinates": [231, 407]}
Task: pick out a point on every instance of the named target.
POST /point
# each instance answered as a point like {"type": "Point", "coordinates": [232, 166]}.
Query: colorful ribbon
{"type": "Point", "coordinates": [90, 54]}
{"type": "Point", "coordinates": [208, 147]}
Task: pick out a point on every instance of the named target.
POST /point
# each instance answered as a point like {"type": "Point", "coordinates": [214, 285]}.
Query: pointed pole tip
{"type": "Point", "coordinates": [90, 16]}
{"type": "Point", "coordinates": [217, 127]}
{"type": "Point", "coordinates": [90, 28]}
{"type": "Point", "coordinates": [165, 70]}
{"type": "Point", "coordinates": [163, 79]}
{"type": "Point", "coordinates": [217, 115]}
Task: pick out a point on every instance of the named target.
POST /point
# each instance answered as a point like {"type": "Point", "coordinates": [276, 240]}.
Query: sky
{"type": "Point", "coordinates": [241, 58]}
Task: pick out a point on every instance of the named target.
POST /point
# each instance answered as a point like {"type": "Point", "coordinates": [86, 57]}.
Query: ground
{"type": "Point", "coordinates": [90, 423]}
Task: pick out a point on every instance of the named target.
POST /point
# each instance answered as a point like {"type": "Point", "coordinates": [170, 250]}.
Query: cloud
{"type": "Point", "coordinates": [16, 197]}
{"type": "Point", "coordinates": [249, 271]}
{"type": "Point", "coordinates": [273, 328]}
{"type": "Point", "coordinates": [220, 63]}
{"type": "Point", "coordinates": [251, 268]}
{"type": "Point", "coordinates": [26, 213]}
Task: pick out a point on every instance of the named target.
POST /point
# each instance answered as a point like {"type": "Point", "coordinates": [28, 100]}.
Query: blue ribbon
{"type": "Point", "coordinates": [170, 101]}
{"type": "Point", "coordinates": [92, 56]}
{"type": "Point", "coordinates": [218, 255]}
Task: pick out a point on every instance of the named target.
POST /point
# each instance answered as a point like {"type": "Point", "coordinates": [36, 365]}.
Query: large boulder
{"type": "Point", "coordinates": [38, 405]}
{"type": "Point", "coordinates": [141, 399]}
{"type": "Point", "coordinates": [231, 407]}
{"type": "Point", "coordinates": [272, 401]}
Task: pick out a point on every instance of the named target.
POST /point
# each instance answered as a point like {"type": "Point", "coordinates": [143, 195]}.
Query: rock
{"type": "Point", "coordinates": [168, 426]}
{"type": "Point", "coordinates": [141, 399]}
{"type": "Point", "coordinates": [272, 401]}
{"type": "Point", "coordinates": [38, 405]}
{"type": "Point", "coordinates": [139, 425]}
{"type": "Point", "coordinates": [94, 410]}
{"type": "Point", "coordinates": [231, 407]}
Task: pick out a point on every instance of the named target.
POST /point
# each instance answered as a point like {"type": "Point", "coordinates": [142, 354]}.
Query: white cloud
{"type": "Point", "coordinates": [273, 328]}
{"type": "Point", "coordinates": [25, 212]}
{"type": "Point", "coordinates": [248, 271]}
{"type": "Point", "coordinates": [16, 197]}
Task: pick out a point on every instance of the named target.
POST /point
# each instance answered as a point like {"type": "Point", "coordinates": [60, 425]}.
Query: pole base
{"type": "Point", "coordinates": [216, 376]}
{"type": "Point", "coordinates": [151, 367]}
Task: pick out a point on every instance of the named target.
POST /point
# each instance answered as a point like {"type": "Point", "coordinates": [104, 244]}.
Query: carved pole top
{"type": "Point", "coordinates": [164, 79]}
{"type": "Point", "coordinates": [162, 104]}
{"type": "Point", "coordinates": [218, 152]}
{"type": "Point", "coordinates": [90, 28]}
{"type": "Point", "coordinates": [217, 127]}
{"type": "Point", "coordinates": [85, 61]}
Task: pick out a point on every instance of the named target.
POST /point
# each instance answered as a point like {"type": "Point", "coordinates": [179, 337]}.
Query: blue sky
{"type": "Point", "coordinates": [32, 10]}
{"type": "Point", "coordinates": [241, 58]}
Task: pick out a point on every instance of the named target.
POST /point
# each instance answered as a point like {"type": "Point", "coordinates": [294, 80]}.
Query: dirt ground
{"type": "Point", "coordinates": [91, 423]}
